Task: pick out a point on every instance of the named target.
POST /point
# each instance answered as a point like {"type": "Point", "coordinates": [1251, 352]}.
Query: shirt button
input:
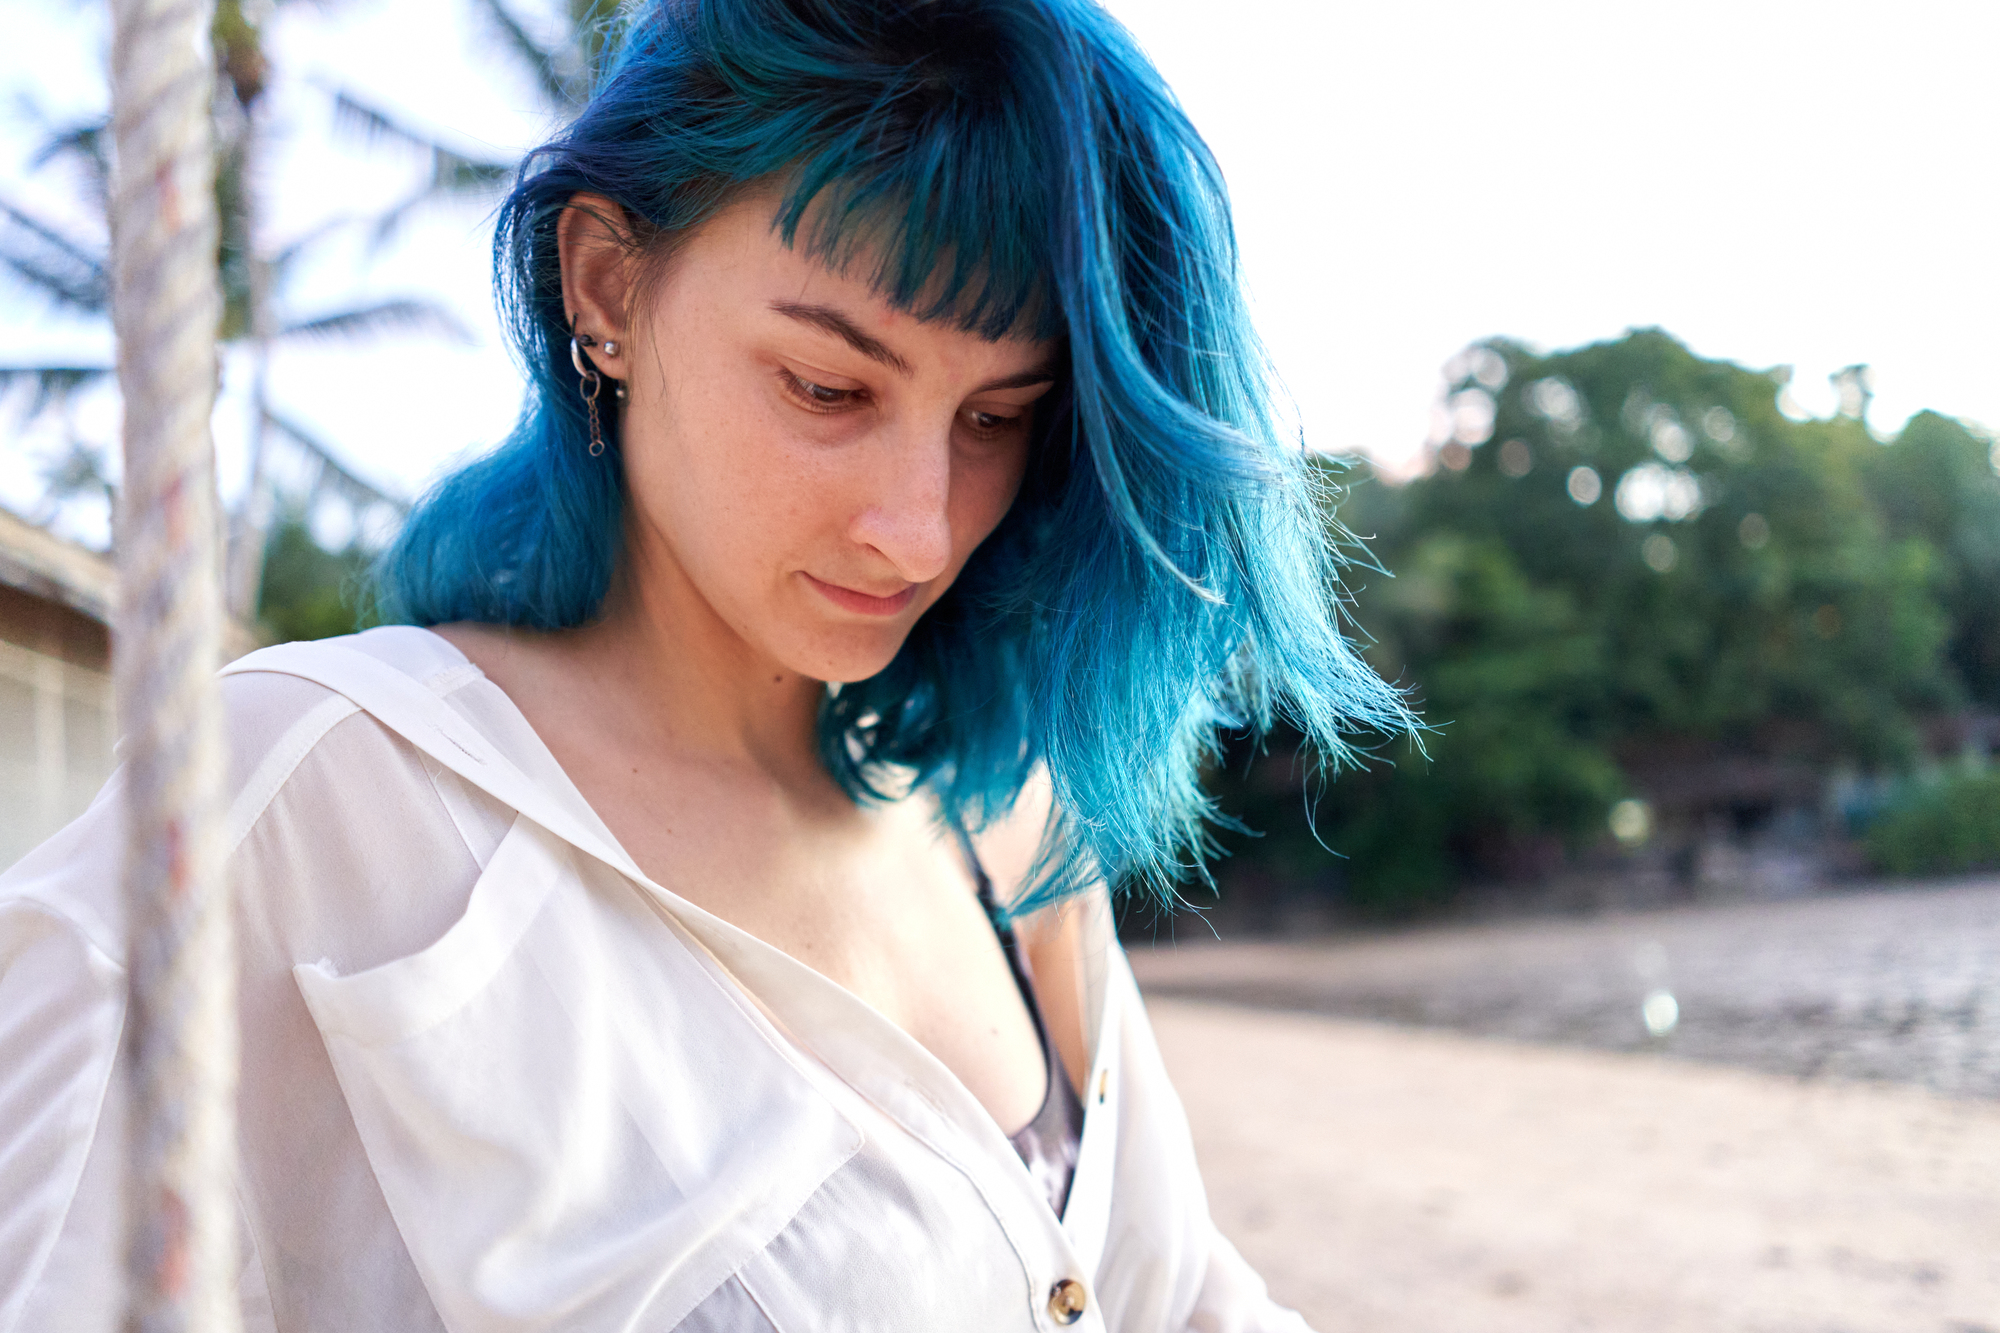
{"type": "Point", "coordinates": [1066, 1302]}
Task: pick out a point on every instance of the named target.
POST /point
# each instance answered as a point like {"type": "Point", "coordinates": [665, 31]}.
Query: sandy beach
{"type": "Point", "coordinates": [1390, 1181]}
{"type": "Point", "coordinates": [1391, 1178]}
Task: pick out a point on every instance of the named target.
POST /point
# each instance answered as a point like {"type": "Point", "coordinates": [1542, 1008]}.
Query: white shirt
{"type": "Point", "coordinates": [494, 1078]}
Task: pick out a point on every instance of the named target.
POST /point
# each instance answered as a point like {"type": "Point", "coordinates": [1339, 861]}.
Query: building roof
{"type": "Point", "coordinates": [41, 564]}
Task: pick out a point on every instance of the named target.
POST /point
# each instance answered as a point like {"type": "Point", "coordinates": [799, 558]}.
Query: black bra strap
{"type": "Point", "coordinates": [1010, 944]}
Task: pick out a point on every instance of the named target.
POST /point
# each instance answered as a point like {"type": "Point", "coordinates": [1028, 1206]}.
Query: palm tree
{"type": "Point", "coordinates": [73, 273]}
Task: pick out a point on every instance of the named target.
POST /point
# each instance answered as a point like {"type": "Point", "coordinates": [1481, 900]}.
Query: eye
{"type": "Point", "coordinates": [992, 423]}
{"type": "Point", "coordinates": [818, 397]}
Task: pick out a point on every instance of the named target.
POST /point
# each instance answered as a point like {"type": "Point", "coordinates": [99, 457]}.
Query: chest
{"type": "Point", "coordinates": [579, 1120]}
{"type": "Point", "coordinates": [881, 901]}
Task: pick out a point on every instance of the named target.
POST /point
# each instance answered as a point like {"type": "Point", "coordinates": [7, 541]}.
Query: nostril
{"type": "Point", "coordinates": [919, 549]}
{"type": "Point", "coordinates": [910, 522]}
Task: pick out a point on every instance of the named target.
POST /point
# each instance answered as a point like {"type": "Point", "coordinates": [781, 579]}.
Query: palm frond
{"type": "Point", "coordinates": [332, 474]}
{"type": "Point", "coordinates": [542, 62]}
{"type": "Point", "coordinates": [402, 315]}
{"type": "Point", "coordinates": [390, 221]}
{"type": "Point", "coordinates": [51, 263]}
{"type": "Point", "coordinates": [282, 263]}
{"type": "Point", "coordinates": [356, 116]}
{"type": "Point", "coordinates": [78, 470]}
{"type": "Point", "coordinates": [85, 145]}
{"type": "Point", "coordinates": [53, 385]}
{"type": "Point", "coordinates": [449, 166]}
{"type": "Point", "coordinates": [452, 172]}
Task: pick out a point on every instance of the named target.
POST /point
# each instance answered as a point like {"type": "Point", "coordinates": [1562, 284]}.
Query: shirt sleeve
{"type": "Point", "coordinates": [62, 1013]}
{"type": "Point", "coordinates": [62, 1009]}
{"type": "Point", "coordinates": [1234, 1299]}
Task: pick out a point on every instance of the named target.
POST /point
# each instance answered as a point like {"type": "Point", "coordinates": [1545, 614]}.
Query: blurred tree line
{"type": "Point", "coordinates": [1626, 549]}
{"type": "Point", "coordinates": [308, 591]}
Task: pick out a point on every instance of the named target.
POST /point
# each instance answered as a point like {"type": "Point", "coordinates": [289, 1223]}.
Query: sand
{"type": "Point", "coordinates": [1389, 1179]}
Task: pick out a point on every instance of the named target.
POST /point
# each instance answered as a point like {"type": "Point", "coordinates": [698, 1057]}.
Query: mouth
{"type": "Point", "coordinates": [861, 603]}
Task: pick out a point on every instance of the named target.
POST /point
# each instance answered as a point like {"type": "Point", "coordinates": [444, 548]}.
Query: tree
{"type": "Point", "coordinates": [1629, 552]}
{"type": "Point", "coordinates": [72, 271]}
{"type": "Point", "coordinates": [1941, 484]}
{"type": "Point", "coordinates": [308, 591]}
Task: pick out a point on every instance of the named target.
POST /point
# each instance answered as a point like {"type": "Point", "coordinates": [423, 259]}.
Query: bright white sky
{"type": "Point", "coordinates": [1774, 181]}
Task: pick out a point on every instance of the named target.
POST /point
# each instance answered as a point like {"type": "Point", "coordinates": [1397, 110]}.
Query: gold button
{"type": "Point", "coordinates": [1066, 1301]}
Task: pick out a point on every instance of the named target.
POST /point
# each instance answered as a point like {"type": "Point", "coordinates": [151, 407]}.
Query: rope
{"type": "Point", "coordinates": [180, 1025]}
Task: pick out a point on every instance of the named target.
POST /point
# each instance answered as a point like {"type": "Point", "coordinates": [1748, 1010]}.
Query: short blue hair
{"type": "Point", "coordinates": [1168, 570]}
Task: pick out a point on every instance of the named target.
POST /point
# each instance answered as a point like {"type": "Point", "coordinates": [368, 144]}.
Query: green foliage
{"type": "Point", "coordinates": [1947, 826]}
{"type": "Point", "coordinates": [1774, 590]}
{"type": "Point", "coordinates": [308, 591]}
{"type": "Point", "coordinates": [1939, 484]}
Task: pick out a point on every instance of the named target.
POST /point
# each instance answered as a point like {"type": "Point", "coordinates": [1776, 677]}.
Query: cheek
{"type": "Point", "coordinates": [982, 492]}
{"type": "Point", "coordinates": [711, 474]}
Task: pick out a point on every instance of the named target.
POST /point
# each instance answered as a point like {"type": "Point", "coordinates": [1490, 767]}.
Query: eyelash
{"type": "Point", "coordinates": [806, 394]}
{"type": "Point", "coordinates": [803, 391]}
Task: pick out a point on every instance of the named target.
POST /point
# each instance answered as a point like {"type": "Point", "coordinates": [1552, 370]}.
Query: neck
{"type": "Point", "coordinates": [693, 682]}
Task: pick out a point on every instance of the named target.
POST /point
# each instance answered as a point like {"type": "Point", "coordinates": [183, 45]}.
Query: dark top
{"type": "Point", "coordinates": [1048, 1143]}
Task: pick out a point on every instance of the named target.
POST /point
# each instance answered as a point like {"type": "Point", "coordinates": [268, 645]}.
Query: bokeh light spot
{"type": "Point", "coordinates": [1669, 438]}
{"type": "Point", "coordinates": [1472, 416]}
{"type": "Point", "coordinates": [1556, 400]}
{"type": "Point", "coordinates": [1631, 821]}
{"type": "Point", "coordinates": [1661, 1013]}
{"type": "Point", "coordinates": [1489, 368]}
{"type": "Point", "coordinates": [1585, 485]}
{"type": "Point", "coordinates": [1652, 491]}
{"type": "Point", "coordinates": [1659, 553]}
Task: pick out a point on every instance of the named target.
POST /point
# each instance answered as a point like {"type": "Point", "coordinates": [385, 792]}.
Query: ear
{"type": "Point", "coordinates": [594, 244]}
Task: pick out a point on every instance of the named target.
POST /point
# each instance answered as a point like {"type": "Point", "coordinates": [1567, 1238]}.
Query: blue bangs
{"type": "Point", "coordinates": [1012, 166]}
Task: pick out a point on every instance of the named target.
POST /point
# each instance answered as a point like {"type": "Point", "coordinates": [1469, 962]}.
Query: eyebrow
{"type": "Point", "coordinates": [829, 320]}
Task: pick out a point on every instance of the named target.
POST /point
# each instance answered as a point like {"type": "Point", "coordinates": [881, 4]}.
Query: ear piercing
{"type": "Point", "coordinates": [589, 384]}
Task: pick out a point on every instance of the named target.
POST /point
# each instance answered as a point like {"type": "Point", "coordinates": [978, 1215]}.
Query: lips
{"type": "Point", "coordinates": [849, 599]}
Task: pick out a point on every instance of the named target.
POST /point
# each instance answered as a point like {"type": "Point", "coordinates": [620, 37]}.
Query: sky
{"type": "Point", "coordinates": [1773, 182]}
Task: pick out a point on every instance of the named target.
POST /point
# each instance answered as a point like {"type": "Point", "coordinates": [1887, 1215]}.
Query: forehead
{"type": "Point", "coordinates": [741, 255]}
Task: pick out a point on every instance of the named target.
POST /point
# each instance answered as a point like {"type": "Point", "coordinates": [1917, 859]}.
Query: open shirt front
{"type": "Point", "coordinates": [494, 1078]}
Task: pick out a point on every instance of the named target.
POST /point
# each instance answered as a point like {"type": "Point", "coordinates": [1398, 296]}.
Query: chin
{"type": "Point", "coordinates": [842, 660]}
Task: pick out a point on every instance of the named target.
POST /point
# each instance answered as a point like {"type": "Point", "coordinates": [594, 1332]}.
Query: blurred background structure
{"type": "Point", "coordinates": [55, 682]}
{"type": "Point", "coordinates": [1651, 366]}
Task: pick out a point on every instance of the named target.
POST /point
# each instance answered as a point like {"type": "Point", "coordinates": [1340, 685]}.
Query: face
{"type": "Point", "coordinates": [809, 468]}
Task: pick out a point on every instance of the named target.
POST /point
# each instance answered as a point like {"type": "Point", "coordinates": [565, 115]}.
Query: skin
{"type": "Point", "coordinates": [808, 469]}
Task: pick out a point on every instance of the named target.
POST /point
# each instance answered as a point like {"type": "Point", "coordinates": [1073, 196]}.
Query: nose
{"type": "Point", "coordinates": [906, 517]}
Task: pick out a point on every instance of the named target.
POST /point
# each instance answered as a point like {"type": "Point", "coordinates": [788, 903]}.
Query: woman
{"type": "Point", "coordinates": [702, 923]}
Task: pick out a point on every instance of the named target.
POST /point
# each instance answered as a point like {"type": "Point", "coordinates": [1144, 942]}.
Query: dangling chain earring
{"type": "Point", "coordinates": [592, 383]}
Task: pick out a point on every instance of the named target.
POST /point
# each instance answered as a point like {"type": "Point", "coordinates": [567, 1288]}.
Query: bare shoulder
{"type": "Point", "coordinates": [530, 666]}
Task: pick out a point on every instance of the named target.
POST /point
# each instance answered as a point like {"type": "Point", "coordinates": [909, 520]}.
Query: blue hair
{"type": "Point", "coordinates": [1168, 570]}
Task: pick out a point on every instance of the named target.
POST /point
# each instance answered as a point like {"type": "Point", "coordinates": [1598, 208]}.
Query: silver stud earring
{"type": "Point", "coordinates": [610, 347]}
